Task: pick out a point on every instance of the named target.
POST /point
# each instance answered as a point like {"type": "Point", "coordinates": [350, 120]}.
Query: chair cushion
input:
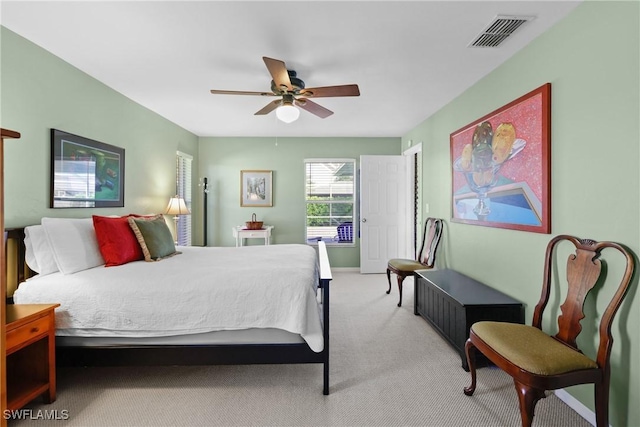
{"type": "Point", "coordinates": [531, 349]}
{"type": "Point", "coordinates": [406, 265]}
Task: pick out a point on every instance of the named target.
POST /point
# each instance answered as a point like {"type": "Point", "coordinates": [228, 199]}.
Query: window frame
{"type": "Point", "coordinates": [184, 179]}
{"type": "Point", "coordinates": [353, 201]}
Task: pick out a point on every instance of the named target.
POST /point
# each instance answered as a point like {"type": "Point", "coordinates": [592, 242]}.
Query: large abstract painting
{"type": "Point", "coordinates": [500, 166]}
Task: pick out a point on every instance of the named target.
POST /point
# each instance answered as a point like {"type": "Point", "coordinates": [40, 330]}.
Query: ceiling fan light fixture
{"type": "Point", "coordinates": [287, 113]}
{"type": "Point", "coordinates": [286, 84]}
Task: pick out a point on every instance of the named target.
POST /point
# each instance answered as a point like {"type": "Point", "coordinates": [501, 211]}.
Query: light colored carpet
{"type": "Point", "coordinates": [388, 368]}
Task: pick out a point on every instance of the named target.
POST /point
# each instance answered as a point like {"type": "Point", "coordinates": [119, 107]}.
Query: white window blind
{"type": "Point", "coordinates": [330, 200]}
{"type": "Point", "coordinates": [183, 184]}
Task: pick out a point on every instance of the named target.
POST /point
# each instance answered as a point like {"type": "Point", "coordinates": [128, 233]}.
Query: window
{"type": "Point", "coordinates": [330, 201]}
{"type": "Point", "coordinates": [183, 189]}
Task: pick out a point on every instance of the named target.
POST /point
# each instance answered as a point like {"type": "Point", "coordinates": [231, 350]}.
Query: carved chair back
{"type": "Point", "coordinates": [430, 239]}
{"type": "Point", "coordinates": [583, 271]}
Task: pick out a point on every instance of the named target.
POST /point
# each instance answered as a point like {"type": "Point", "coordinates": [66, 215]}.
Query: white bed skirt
{"type": "Point", "coordinates": [245, 336]}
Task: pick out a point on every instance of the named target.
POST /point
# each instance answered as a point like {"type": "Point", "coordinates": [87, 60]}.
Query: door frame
{"type": "Point", "coordinates": [412, 227]}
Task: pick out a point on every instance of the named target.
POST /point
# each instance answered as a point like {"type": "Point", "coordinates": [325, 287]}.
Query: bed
{"type": "Point", "coordinates": [198, 306]}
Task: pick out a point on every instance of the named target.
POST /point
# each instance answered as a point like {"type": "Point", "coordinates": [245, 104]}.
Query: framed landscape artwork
{"type": "Point", "coordinates": [256, 188]}
{"type": "Point", "coordinates": [500, 166]}
{"type": "Point", "coordinates": [85, 173]}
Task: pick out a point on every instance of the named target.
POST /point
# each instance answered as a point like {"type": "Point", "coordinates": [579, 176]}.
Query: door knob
{"type": "Point", "coordinates": [364, 219]}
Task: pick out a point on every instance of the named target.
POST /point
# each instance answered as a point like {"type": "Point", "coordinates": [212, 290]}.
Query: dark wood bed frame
{"type": "Point", "coordinates": [222, 354]}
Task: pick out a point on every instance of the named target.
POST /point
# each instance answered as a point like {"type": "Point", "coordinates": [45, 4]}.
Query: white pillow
{"type": "Point", "coordinates": [39, 255]}
{"type": "Point", "coordinates": [74, 244]}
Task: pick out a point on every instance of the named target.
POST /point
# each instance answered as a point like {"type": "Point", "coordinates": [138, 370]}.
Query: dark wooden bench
{"type": "Point", "coordinates": [451, 302]}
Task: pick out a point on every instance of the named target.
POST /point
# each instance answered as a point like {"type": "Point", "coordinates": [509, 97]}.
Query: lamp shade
{"type": "Point", "coordinates": [287, 113]}
{"type": "Point", "coordinates": [177, 206]}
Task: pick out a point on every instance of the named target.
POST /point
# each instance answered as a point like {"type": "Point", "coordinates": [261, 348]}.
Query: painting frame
{"type": "Point", "coordinates": [256, 188]}
{"type": "Point", "coordinates": [85, 173]}
{"type": "Point", "coordinates": [507, 182]}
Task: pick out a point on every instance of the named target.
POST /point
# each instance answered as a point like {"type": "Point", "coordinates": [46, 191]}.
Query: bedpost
{"type": "Point", "coordinates": [325, 278]}
{"type": "Point", "coordinates": [17, 270]}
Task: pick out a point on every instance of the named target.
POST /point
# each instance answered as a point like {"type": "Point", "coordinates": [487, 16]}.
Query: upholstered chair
{"type": "Point", "coordinates": [426, 256]}
{"type": "Point", "coordinates": [538, 361]}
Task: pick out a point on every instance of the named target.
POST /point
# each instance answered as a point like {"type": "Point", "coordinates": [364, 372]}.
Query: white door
{"type": "Point", "coordinates": [383, 211]}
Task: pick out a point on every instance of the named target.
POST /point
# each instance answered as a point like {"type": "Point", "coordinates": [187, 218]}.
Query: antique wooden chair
{"type": "Point", "coordinates": [539, 362]}
{"type": "Point", "coordinates": [426, 256]}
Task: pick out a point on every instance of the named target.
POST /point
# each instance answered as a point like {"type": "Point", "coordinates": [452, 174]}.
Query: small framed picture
{"type": "Point", "coordinates": [256, 188]}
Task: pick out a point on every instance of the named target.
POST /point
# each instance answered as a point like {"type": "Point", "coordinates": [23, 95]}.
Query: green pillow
{"type": "Point", "coordinates": [154, 237]}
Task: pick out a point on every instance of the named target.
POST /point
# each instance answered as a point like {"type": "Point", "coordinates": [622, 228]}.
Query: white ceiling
{"type": "Point", "coordinates": [410, 58]}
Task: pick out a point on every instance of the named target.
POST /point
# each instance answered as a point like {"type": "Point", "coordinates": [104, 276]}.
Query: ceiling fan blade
{"type": "Point", "coordinates": [240, 92]}
{"type": "Point", "coordinates": [279, 73]}
{"type": "Point", "coordinates": [329, 91]}
{"type": "Point", "coordinates": [313, 108]}
{"type": "Point", "coordinates": [269, 108]}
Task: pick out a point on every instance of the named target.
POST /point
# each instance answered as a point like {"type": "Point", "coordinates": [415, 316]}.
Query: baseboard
{"type": "Point", "coordinates": [346, 269]}
{"type": "Point", "coordinates": [577, 406]}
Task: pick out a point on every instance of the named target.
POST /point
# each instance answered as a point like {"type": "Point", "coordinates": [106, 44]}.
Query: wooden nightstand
{"type": "Point", "coordinates": [31, 356]}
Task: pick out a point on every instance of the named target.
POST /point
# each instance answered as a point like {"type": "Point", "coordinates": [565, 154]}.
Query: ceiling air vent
{"type": "Point", "coordinates": [498, 30]}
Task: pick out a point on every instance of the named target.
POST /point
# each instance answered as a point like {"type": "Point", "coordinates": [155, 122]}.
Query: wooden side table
{"type": "Point", "coordinates": [31, 356]}
{"type": "Point", "coordinates": [241, 233]}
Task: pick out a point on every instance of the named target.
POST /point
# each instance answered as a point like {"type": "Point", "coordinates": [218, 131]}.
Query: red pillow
{"type": "Point", "coordinates": [118, 244]}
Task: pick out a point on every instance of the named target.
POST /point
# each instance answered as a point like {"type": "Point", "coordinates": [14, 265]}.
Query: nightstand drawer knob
{"type": "Point", "coordinates": [34, 330]}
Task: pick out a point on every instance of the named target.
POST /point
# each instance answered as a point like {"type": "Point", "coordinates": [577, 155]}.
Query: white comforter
{"type": "Point", "coordinates": [200, 290]}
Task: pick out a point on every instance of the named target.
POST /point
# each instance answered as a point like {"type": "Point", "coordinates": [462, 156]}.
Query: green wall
{"type": "Point", "coordinates": [591, 59]}
{"type": "Point", "coordinates": [222, 159]}
{"type": "Point", "coordinates": [40, 92]}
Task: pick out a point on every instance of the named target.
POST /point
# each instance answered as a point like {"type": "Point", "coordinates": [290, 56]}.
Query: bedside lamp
{"type": "Point", "coordinates": [177, 207]}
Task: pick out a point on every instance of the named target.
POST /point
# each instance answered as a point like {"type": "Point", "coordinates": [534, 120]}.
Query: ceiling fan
{"type": "Point", "coordinates": [293, 93]}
